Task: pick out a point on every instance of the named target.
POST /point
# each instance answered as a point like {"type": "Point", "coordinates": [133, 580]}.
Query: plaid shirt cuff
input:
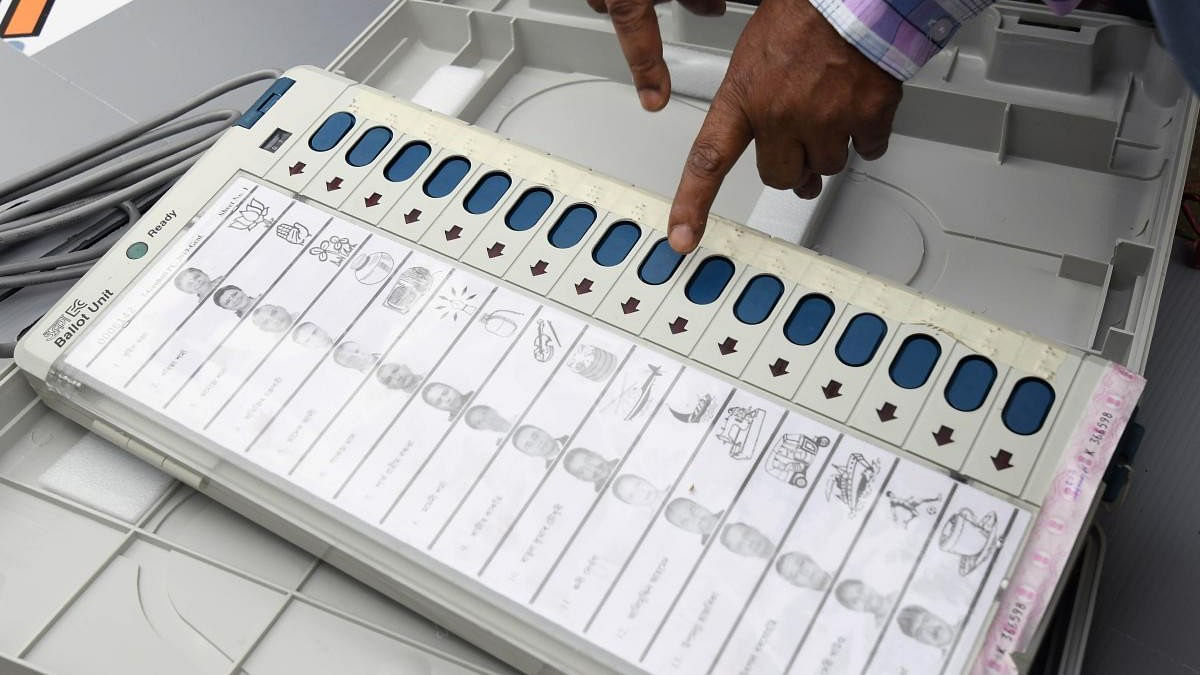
{"type": "Point", "coordinates": [899, 35]}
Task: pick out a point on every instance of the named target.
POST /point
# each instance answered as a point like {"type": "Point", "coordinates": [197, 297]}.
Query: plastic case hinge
{"type": "Point", "coordinates": [264, 102]}
{"type": "Point", "coordinates": [149, 455]}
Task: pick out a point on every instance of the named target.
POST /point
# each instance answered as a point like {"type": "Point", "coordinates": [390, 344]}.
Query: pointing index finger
{"type": "Point", "coordinates": [722, 139]}
{"type": "Point", "coordinates": [637, 30]}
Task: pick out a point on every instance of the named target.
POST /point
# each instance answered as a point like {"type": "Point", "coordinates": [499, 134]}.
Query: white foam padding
{"type": "Point", "coordinates": [694, 72]}
{"type": "Point", "coordinates": [781, 214]}
{"type": "Point", "coordinates": [98, 474]}
{"type": "Point", "coordinates": [449, 89]}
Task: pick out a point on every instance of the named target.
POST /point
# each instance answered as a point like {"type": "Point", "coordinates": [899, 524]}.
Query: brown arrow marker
{"type": "Point", "coordinates": [1002, 460]}
{"type": "Point", "coordinates": [943, 435]}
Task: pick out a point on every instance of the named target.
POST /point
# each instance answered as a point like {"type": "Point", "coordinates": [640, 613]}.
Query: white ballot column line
{"type": "Point", "coordinates": [224, 339]}
{"type": "Point", "coordinates": [416, 473]}
{"type": "Point", "coordinates": [237, 267]}
{"type": "Point", "coordinates": [662, 402]}
{"type": "Point", "coordinates": [725, 512]}
{"type": "Point", "coordinates": [908, 579]}
{"type": "Point", "coordinates": [348, 408]}
{"type": "Point", "coordinates": [258, 369]}
{"type": "Point", "coordinates": [614, 531]}
{"type": "Point", "coordinates": [263, 395]}
{"type": "Point", "coordinates": [691, 522]}
{"type": "Point", "coordinates": [439, 473]}
{"type": "Point", "coordinates": [408, 347]}
{"type": "Point", "coordinates": [837, 575]}
{"type": "Point", "coordinates": [725, 581]}
{"type": "Point", "coordinates": [252, 346]}
{"type": "Point", "coordinates": [452, 375]}
{"type": "Point", "coordinates": [876, 570]}
{"type": "Point", "coordinates": [646, 531]}
{"type": "Point", "coordinates": [771, 561]}
{"type": "Point", "coordinates": [557, 461]}
{"type": "Point", "coordinates": [507, 438]}
{"type": "Point", "coordinates": [164, 314]}
{"type": "Point", "coordinates": [551, 520]}
{"type": "Point", "coordinates": [175, 256]}
{"type": "Point", "coordinates": [299, 404]}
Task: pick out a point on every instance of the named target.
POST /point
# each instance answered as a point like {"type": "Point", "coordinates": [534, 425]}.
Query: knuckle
{"type": "Point", "coordinates": [643, 66]}
{"type": "Point", "coordinates": [831, 158]}
{"type": "Point", "coordinates": [777, 182]}
{"type": "Point", "coordinates": [628, 15]}
{"type": "Point", "coordinates": [878, 110]}
{"type": "Point", "coordinates": [831, 166]}
{"type": "Point", "coordinates": [705, 159]}
{"type": "Point", "coordinates": [780, 176]}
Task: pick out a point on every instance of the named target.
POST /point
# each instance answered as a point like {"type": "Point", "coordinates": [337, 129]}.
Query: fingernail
{"type": "Point", "coordinates": [650, 98]}
{"type": "Point", "coordinates": [682, 238]}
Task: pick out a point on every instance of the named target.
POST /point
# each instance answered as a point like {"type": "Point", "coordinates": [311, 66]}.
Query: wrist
{"type": "Point", "coordinates": [899, 36]}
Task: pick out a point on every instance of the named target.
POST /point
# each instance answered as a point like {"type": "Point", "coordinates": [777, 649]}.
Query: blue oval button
{"type": "Point", "coordinates": [758, 299]}
{"type": "Point", "coordinates": [709, 280]}
{"type": "Point", "coordinates": [529, 209]}
{"type": "Point", "coordinates": [970, 383]}
{"type": "Point", "coordinates": [368, 146]}
{"type": "Point", "coordinates": [858, 344]}
{"type": "Point", "coordinates": [332, 131]}
{"type": "Point", "coordinates": [447, 177]}
{"type": "Point", "coordinates": [914, 361]}
{"type": "Point", "coordinates": [570, 227]}
{"type": "Point", "coordinates": [487, 193]}
{"type": "Point", "coordinates": [1028, 406]}
{"type": "Point", "coordinates": [616, 243]}
{"type": "Point", "coordinates": [808, 320]}
{"type": "Point", "coordinates": [406, 162]}
{"type": "Point", "coordinates": [660, 264]}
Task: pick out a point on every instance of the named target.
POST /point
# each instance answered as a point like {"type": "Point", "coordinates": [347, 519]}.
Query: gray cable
{"type": "Point", "coordinates": [131, 212]}
{"type": "Point", "coordinates": [167, 130]}
{"type": "Point", "coordinates": [126, 179]}
{"type": "Point", "coordinates": [35, 278]}
{"type": "Point", "coordinates": [19, 186]}
{"type": "Point", "coordinates": [39, 228]}
{"type": "Point", "coordinates": [105, 186]}
{"type": "Point", "coordinates": [157, 159]}
{"type": "Point", "coordinates": [50, 262]}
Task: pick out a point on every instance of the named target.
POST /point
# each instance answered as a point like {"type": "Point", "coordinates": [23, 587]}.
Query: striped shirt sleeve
{"type": "Point", "coordinates": [902, 35]}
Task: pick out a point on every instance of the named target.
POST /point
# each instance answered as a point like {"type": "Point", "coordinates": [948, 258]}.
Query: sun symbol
{"type": "Point", "coordinates": [455, 303]}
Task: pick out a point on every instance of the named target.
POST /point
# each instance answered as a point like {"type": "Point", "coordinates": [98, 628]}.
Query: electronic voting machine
{"type": "Point", "coordinates": [477, 377]}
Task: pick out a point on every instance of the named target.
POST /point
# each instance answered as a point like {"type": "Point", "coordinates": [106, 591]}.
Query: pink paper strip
{"type": "Point", "coordinates": [1064, 511]}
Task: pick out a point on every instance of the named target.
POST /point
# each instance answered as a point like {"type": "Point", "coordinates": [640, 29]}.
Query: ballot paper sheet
{"type": "Point", "coordinates": [664, 515]}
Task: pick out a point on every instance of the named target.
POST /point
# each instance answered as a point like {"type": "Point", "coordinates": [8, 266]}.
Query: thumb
{"type": "Point", "coordinates": [722, 139]}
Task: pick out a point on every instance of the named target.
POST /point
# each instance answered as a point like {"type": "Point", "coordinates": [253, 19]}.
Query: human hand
{"type": "Point", "coordinates": [636, 25]}
{"type": "Point", "coordinates": [794, 86]}
{"type": "Point", "coordinates": [802, 93]}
